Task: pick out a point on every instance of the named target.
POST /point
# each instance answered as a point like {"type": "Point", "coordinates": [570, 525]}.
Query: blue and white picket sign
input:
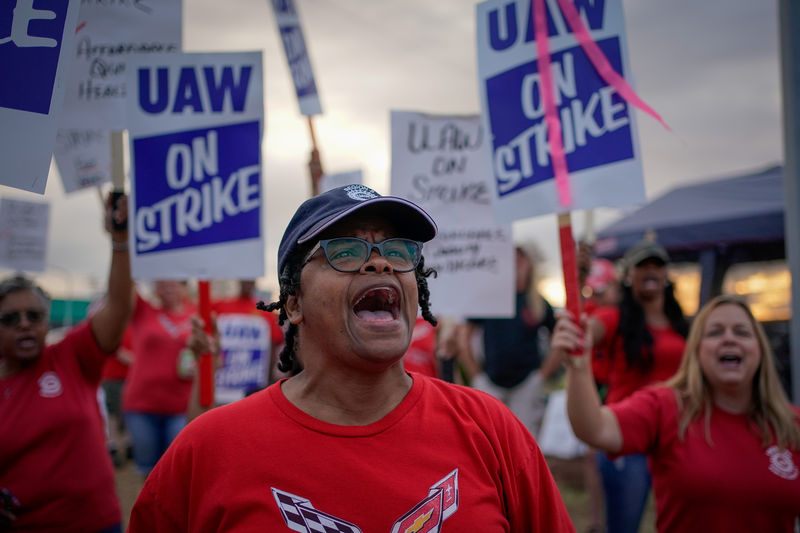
{"type": "Point", "coordinates": [35, 41]}
{"type": "Point", "coordinates": [599, 128]}
{"type": "Point", "coordinates": [294, 44]}
{"type": "Point", "coordinates": [196, 199]}
{"type": "Point", "coordinates": [245, 344]}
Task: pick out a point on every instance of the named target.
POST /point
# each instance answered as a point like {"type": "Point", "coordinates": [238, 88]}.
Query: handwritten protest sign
{"type": "Point", "coordinates": [196, 194]}
{"type": "Point", "coordinates": [245, 341]}
{"type": "Point", "coordinates": [331, 181]}
{"type": "Point", "coordinates": [109, 34]}
{"type": "Point", "coordinates": [34, 56]}
{"type": "Point", "coordinates": [440, 162]}
{"type": "Point", "coordinates": [294, 44]}
{"type": "Point", "coordinates": [83, 158]}
{"type": "Point", "coordinates": [23, 234]}
{"type": "Point", "coordinates": [599, 134]}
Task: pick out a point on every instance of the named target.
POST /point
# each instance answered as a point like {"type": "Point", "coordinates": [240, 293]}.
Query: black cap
{"type": "Point", "coordinates": [317, 214]}
{"type": "Point", "coordinates": [645, 249]}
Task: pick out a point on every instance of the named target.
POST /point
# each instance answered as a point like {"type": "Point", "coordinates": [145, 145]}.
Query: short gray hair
{"type": "Point", "coordinates": [21, 283]}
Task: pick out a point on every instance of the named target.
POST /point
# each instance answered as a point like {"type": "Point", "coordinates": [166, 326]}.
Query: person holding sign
{"type": "Point", "coordinates": [512, 348]}
{"type": "Point", "coordinates": [55, 472]}
{"type": "Point", "coordinates": [722, 438]}
{"type": "Point", "coordinates": [641, 341]}
{"type": "Point", "coordinates": [363, 445]}
{"type": "Point", "coordinates": [156, 397]}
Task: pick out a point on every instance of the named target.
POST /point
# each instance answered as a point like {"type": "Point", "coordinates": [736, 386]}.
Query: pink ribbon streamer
{"type": "Point", "coordinates": [600, 62]}
{"type": "Point", "coordinates": [551, 117]}
{"type": "Point", "coordinates": [604, 69]}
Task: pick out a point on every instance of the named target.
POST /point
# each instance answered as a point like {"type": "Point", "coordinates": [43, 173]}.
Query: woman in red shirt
{"type": "Point", "coordinates": [641, 340]}
{"type": "Point", "coordinates": [722, 438]}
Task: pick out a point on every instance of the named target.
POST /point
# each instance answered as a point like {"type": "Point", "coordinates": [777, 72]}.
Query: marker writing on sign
{"type": "Point", "coordinates": [452, 144]}
{"type": "Point", "coordinates": [194, 208]}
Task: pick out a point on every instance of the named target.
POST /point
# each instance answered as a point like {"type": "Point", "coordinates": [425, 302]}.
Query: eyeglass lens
{"type": "Point", "coordinates": [348, 254]}
{"type": "Point", "coordinates": [12, 318]}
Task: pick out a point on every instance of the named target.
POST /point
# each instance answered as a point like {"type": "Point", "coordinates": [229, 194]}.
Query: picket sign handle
{"type": "Point", "coordinates": [206, 359]}
{"type": "Point", "coordinates": [569, 266]}
{"type": "Point", "coordinates": [314, 182]}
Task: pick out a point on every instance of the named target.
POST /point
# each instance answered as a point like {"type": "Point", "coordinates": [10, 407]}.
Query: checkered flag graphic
{"type": "Point", "coordinates": [301, 516]}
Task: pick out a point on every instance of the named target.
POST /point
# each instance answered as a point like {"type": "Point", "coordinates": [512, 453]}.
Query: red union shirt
{"type": "Point", "coordinates": [447, 458]}
{"type": "Point", "coordinates": [734, 484]}
{"type": "Point", "coordinates": [53, 455]}
{"type": "Point", "coordinates": [157, 338]}
{"type": "Point", "coordinates": [623, 380]}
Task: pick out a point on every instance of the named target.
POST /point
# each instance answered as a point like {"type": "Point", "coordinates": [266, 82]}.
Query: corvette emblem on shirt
{"type": "Point", "coordinates": [49, 385]}
{"type": "Point", "coordinates": [426, 516]}
{"type": "Point", "coordinates": [781, 464]}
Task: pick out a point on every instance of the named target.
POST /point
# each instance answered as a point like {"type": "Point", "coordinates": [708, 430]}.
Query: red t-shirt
{"type": "Point", "coordinates": [157, 338]}
{"type": "Point", "coordinates": [421, 354]}
{"type": "Point", "coordinates": [114, 369]}
{"type": "Point", "coordinates": [53, 455]}
{"type": "Point", "coordinates": [446, 454]}
{"type": "Point", "coordinates": [733, 484]}
{"type": "Point", "coordinates": [623, 380]}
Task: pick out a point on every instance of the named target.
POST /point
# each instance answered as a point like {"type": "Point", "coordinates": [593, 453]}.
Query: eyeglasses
{"type": "Point", "coordinates": [349, 254]}
{"type": "Point", "coordinates": [13, 318]}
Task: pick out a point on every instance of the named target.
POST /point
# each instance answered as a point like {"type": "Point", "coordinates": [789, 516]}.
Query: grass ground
{"type": "Point", "coordinates": [568, 476]}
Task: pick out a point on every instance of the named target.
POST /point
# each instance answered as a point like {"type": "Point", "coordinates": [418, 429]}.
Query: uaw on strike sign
{"type": "Point", "coordinates": [196, 197]}
{"type": "Point", "coordinates": [599, 134]}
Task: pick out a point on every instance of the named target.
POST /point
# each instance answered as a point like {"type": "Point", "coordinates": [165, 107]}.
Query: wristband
{"type": "Point", "coordinates": [575, 361]}
{"type": "Point", "coordinates": [119, 246]}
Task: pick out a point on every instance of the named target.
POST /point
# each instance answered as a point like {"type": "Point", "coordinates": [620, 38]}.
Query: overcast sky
{"type": "Point", "coordinates": [710, 68]}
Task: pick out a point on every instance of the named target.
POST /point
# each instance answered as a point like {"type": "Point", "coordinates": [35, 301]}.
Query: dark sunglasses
{"type": "Point", "coordinates": [348, 254]}
{"type": "Point", "coordinates": [13, 318]}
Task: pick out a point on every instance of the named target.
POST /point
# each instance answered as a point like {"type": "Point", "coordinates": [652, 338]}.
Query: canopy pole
{"type": "Point", "coordinates": [789, 30]}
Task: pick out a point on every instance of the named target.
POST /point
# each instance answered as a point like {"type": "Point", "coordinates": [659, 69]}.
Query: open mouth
{"type": "Point", "coordinates": [378, 304]}
{"type": "Point", "coordinates": [731, 360]}
{"type": "Point", "coordinates": [26, 343]}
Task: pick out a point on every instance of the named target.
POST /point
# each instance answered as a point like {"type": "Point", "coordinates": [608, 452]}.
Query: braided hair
{"type": "Point", "coordinates": [289, 282]}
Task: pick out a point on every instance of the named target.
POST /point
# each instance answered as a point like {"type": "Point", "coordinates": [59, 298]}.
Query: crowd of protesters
{"type": "Point", "coordinates": [356, 370]}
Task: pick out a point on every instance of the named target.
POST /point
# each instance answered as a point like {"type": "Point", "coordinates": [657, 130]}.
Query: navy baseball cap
{"type": "Point", "coordinates": [317, 214]}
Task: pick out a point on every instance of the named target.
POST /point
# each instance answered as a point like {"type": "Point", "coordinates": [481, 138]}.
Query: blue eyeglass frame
{"type": "Point", "coordinates": [323, 244]}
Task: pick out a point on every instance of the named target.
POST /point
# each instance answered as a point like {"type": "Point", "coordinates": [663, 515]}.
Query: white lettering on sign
{"type": "Point", "coordinates": [193, 208]}
{"type": "Point", "coordinates": [200, 156]}
{"type": "Point", "coordinates": [23, 14]}
{"type": "Point", "coordinates": [578, 123]}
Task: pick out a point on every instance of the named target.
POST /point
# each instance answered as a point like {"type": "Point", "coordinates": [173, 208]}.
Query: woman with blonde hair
{"type": "Point", "coordinates": [722, 438]}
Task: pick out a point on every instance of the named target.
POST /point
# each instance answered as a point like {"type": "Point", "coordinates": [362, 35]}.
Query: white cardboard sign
{"type": "Point", "coordinates": [23, 234]}
{"type": "Point", "coordinates": [438, 162]}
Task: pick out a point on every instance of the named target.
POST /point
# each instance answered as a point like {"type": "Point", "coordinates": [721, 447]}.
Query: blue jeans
{"type": "Point", "coordinates": [626, 484]}
{"type": "Point", "coordinates": [151, 435]}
